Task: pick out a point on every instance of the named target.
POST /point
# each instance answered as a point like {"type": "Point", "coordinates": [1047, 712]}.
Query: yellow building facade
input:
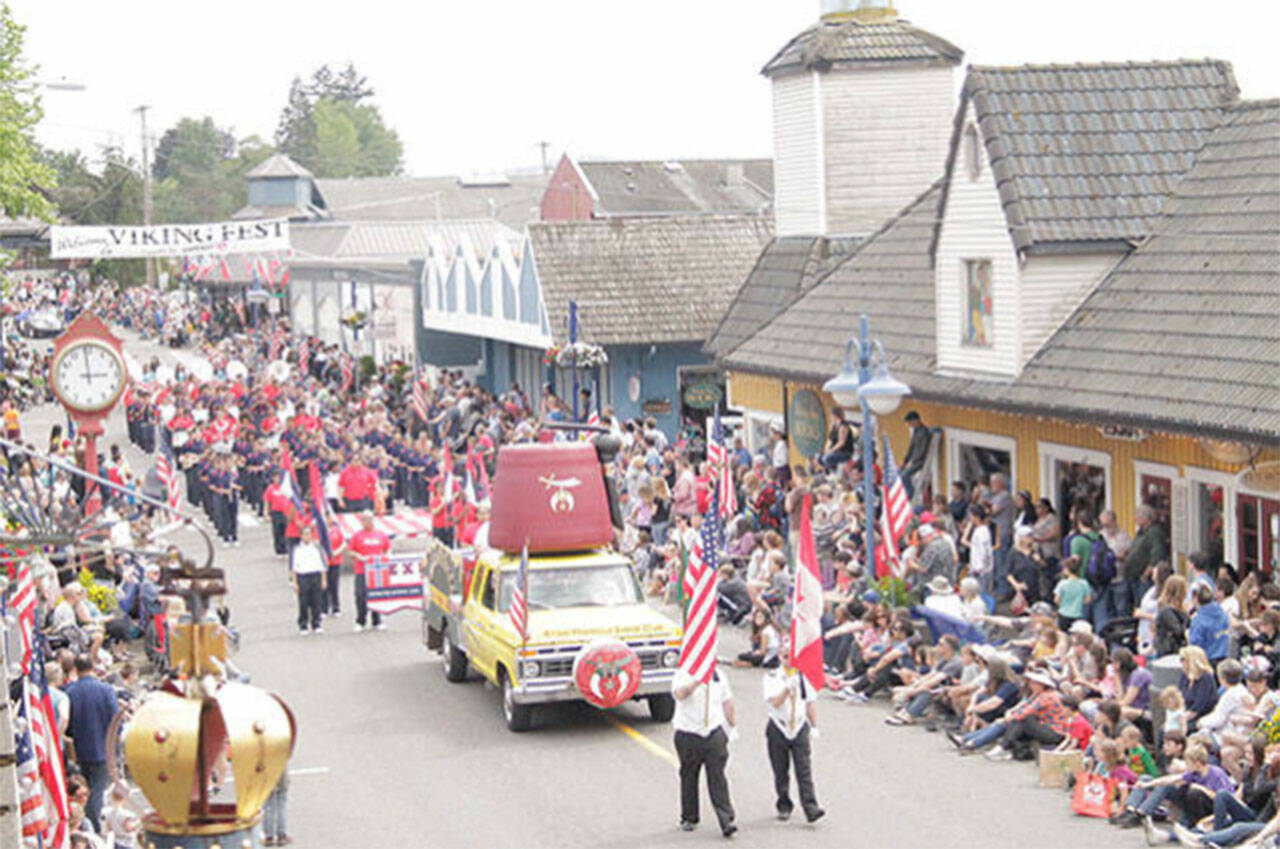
{"type": "Point", "coordinates": [1211, 494]}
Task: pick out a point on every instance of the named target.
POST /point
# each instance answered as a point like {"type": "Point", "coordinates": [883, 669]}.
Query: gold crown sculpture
{"type": "Point", "coordinates": [179, 732]}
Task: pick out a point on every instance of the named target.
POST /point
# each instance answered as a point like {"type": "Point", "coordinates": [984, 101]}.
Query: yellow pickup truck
{"type": "Point", "coordinates": [576, 600]}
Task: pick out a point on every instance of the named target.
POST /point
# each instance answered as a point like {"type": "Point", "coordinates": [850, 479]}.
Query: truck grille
{"type": "Point", "coordinates": [562, 667]}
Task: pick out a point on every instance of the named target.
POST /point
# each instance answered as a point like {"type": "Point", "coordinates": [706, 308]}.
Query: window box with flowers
{"type": "Point", "coordinates": [577, 355]}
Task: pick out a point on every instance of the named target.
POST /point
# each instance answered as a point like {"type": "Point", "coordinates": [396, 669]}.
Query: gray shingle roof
{"type": "Point", "coordinates": [1182, 335]}
{"type": "Point", "coordinates": [426, 198]}
{"type": "Point", "coordinates": [889, 278]}
{"type": "Point", "coordinates": [689, 186]}
{"type": "Point", "coordinates": [854, 43]}
{"type": "Point", "coordinates": [645, 280]}
{"type": "Point", "coordinates": [784, 271]}
{"type": "Point", "coordinates": [1187, 327]}
{"type": "Point", "coordinates": [1091, 152]}
{"type": "Point", "coordinates": [278, 165]}
{"type": "Point", "coordinates": [355, 243]}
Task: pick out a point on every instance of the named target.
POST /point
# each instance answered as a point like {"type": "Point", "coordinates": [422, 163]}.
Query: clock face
{"type": "Point", "coordinates": [89, 375]}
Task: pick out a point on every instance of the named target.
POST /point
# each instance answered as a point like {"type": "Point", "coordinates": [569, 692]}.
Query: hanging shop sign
{"type": "Point", "coordinates": [225, 237]}
{"type": "Point", "coordinates": [702, 396]}
{"type": "Point", "coordinates": [807, 423]}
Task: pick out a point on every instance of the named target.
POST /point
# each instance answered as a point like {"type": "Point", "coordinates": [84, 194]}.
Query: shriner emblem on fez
{"type": "Point", "coordinates": [562, 500]}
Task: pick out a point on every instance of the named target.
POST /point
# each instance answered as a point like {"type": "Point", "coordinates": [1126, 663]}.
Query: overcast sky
{"type": "Point", "coordinates": [474, 86]}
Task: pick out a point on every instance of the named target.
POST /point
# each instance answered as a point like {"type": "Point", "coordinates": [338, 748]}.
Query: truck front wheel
{"type": "Point", "coordinates": [455, 662]}
{"type": "Point", "coordinates": [662, 707]}
{"type": "Point", "coordinates": [518, 717]}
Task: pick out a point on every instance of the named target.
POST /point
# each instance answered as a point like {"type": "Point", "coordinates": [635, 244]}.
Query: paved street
{"type": "Point", "coordinates": [390, 754]}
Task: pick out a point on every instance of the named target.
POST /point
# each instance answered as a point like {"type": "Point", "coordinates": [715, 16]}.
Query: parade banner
{"type": "Point", "coordinates": [394, 583]}
{"type": "Point", "coordinates": [220, 238]}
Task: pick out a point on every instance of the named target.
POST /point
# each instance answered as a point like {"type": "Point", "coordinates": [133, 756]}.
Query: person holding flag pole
{"type": "Point", "coordinates": [705, 719]}
{"type": "Point", "coordinates": [791, 690]}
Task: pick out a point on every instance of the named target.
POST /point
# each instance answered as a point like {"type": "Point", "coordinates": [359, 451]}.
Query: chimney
{"type": "Point", "coordinates": [735, 174]}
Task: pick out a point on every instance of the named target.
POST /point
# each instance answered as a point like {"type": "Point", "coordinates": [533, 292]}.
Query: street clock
{"type": "Point", "coordinates": [89, 375]}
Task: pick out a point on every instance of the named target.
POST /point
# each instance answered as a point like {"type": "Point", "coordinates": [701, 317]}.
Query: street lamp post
{"type": "Point", "coordinates": [879, 394]}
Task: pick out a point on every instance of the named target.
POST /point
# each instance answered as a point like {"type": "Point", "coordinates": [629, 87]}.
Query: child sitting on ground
{"type": "Point", "coordinates": [1140, 760]}
{"type": "Point", "coordinates": [1175, 710]}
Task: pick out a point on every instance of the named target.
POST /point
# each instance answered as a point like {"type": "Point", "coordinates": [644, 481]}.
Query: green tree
{"type": "Point", "coordinates": [320, 119]}
{"type": "Point", "coordinates": [200, 171]}
{"type": "Point", "coordinates": [22, 172]}
{"type": "Point", "coordinates": [112, 195]}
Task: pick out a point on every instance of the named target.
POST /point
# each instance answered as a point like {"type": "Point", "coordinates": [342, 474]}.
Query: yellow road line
{"type": "Point", "coordinates": [645, 743]}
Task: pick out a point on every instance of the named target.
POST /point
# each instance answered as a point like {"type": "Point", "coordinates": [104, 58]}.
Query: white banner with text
{"type": "Point", "coordinates": [223, 237]}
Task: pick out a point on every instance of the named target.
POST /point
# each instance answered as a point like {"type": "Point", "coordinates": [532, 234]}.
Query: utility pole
{"type": "Point", "coordinates": [146, 191]}
{"type": "Point", "coordinates": [544, 145]}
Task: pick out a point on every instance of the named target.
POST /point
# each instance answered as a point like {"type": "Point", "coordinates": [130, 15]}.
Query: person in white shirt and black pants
{"type": "Point", "coordinates": [793, 722]}
{"type": "Point", "coordinates": [307, 568]}
{"type": "Point", "coordinates": [704, 722]}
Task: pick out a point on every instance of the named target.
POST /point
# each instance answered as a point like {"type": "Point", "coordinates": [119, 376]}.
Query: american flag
{"type": "Point", "coordinates": [167, 472]}
{"type": "Point", "coordinates": [897, 506]}
{"type": "Point", "coordinates": [895, 511]}
{"type": "Point", "coordinates": [698, 648]}
{"type": "Point", "coordinates": [722, 468]}
{"type": "Point", "coordinates": [48, 746]}
{"type": "Point", "coordinates": [347, 366]}
{"type": "Point", "coordinates": [23, 602]}
{"type": "Point", "coordinates": [419, 401]}
{"type": "Point", "coordinates": [304, 353]}
{"type": "Point", "coordinates": [35, 812]}
{"type": "Point", "coordinates": [519, 610]}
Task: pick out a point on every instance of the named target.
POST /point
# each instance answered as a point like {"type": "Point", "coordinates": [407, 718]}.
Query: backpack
{"type": "Point", "coordinates": [1102, 563]}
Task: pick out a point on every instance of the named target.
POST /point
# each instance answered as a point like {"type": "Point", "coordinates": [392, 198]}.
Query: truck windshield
{"type": "Point", "coordinates": [610, 585]}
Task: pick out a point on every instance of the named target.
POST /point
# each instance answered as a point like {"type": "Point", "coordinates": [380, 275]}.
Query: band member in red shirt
{"type": "Point", "coordinates": [356, 484]}
{"type": "Point", "coordinates": [365, 545]}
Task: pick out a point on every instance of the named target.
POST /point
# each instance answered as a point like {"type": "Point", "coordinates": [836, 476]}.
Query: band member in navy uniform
{"type": "Point", "coordinates": [704, 722]}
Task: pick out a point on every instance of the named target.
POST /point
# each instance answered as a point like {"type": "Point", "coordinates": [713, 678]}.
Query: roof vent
{"type": "Point", "coordinates": [631, 187]}
{"type": "Point", "coordinates": [673, 166]}
{"type": "Point", "coordinates": [473, 181]}
{"type": "Point", "coordinates": [864, 11]}
{"type": "Point", "coordinates": [626, 169]}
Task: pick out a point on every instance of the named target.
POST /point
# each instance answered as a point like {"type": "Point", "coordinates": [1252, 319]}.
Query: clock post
{"type": "Point", "coordinates": [88, 375]}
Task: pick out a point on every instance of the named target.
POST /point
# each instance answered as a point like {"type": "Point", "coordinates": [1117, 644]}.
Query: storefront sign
{"type": "Point", "coordinates": [226, 237]}
{"type": "Point", "coordinates": [656, 407]}
{"type": "Point", "coordinates": [703, 396]}
{"type": "Point", "coordinates": [807, 422]}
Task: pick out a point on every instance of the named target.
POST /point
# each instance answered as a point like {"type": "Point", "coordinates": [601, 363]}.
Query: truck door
{"type": "Point", "coordinates": [481, 620]}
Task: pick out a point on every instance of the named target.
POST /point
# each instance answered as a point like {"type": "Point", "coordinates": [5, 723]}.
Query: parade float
{"type": "Point", "coordinates": [581, 630]}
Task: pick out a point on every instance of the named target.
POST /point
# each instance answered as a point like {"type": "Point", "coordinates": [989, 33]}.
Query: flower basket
{"type": "Point", "coordinates": [354, 319]}
{"type": "Point", "coordinates": [578, 355]}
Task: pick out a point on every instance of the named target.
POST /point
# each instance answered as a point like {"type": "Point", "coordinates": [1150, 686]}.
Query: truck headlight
{"type": "Point", "coordinates": [530, 669]}
{"type": "Point", "coordinates": [670, 658]}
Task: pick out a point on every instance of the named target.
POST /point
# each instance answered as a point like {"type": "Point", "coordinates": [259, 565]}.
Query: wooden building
{"type": "Point", "coordinates": [1085, 297]}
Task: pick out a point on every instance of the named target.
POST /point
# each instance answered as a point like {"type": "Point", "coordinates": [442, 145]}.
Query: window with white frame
{"type": "Point", "coordinates": [1156, 486]}
{"type": "Point", "coordinates": [973, 457]}
{"type": "Point", "coordinates": [1071, 477]}
{"type": "Point", "coordinates": [1212, 497]}
{"type": "Point", "coordinates": [976, 299]}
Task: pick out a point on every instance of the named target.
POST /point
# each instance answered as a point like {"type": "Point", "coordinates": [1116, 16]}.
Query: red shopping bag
{"type": "Point", "coordinates": [1093, 795]}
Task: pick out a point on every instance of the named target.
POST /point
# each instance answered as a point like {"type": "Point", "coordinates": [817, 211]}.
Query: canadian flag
{"type": "Point", "coordinates": [806, 606]}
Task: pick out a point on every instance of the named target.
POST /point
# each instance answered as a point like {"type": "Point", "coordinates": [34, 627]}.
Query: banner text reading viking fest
{"type": "Point", "coordinates": [224, 237]}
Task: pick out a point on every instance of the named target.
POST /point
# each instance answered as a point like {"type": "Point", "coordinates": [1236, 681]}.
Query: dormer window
{"type": "Point", "coordinates": [976, 330]}
{"type": "Point", "coordinates": [972, 152]}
